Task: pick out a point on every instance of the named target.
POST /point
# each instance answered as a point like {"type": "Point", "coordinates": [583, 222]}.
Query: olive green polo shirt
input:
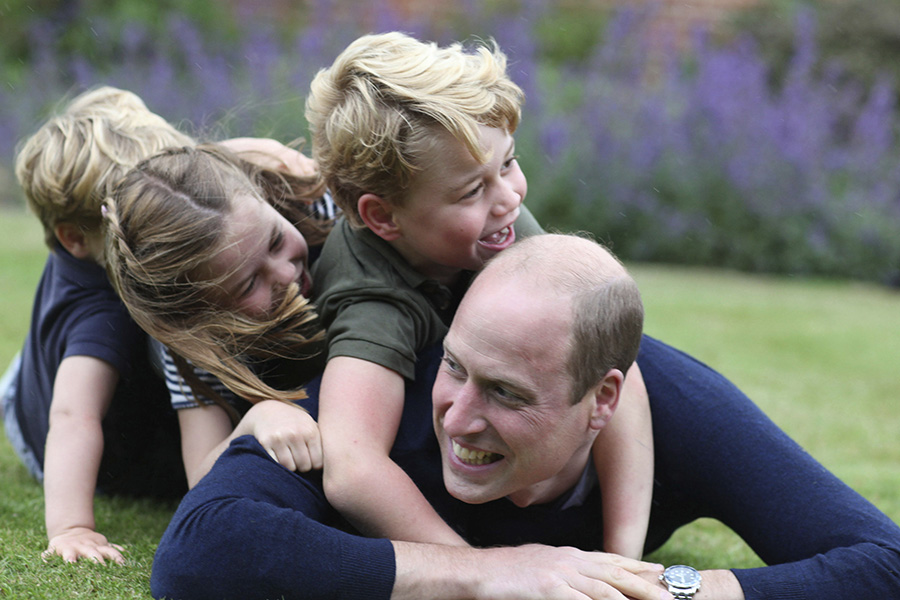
{"type": "Point", "coordinates": [375, 306]}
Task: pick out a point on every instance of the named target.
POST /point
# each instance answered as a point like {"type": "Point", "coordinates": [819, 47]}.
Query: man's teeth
{"type": "Point", "coordinates": [474, 457]}
{"type": "Point", "coordinates": [497, 238]}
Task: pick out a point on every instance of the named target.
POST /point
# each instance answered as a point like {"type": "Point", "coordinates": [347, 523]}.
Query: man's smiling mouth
{"type": "Point", "coordinates": [474, 457]}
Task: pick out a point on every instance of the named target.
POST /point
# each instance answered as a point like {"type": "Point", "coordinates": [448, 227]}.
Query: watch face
{"type": "Point", "coordinates": [682, 576]}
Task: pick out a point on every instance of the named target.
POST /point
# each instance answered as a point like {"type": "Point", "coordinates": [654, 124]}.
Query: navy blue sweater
{"type": "Point", "coordinates": [251, 529]}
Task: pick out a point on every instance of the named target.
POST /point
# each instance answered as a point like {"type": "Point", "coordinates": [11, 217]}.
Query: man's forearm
{"type": "Point", "coordinates": [425, 571]}
{"type": "Point", "coordinates": [719, 585]}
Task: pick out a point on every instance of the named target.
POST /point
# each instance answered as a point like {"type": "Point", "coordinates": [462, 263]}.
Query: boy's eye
{"type": "Point", "coordinates": [473, 192]}
{"type": "Point", "coordinates": [510, 161]}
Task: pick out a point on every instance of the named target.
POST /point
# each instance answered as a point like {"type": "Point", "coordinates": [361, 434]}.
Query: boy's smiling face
{"type": "Point", "coordinates": [459, 212]}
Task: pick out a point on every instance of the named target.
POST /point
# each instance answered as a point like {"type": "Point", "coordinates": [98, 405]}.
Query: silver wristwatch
{"type": "Point", "coordinates": [683, 581]}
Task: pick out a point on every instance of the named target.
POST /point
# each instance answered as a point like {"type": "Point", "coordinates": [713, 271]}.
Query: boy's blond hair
{"type": "Point", "coordinates": [73, 161]}
{"type": "Point", "coordinates": [375, 111]}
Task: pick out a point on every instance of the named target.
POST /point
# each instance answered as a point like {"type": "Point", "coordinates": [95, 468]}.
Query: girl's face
{"type": "Point", "coordinates": [260, 256]}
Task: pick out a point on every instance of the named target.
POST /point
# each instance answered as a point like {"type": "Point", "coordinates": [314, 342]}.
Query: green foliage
{"type": "Point", "coordinates": [693, 160]}
{"type": "Point", "coordinates": [862, 36]}
{"type": "Point", "coordinates": [570, 32]}
{"type": "Point", "coordinates": [22, 256]}
{"type": "Point", "coordinates": [72, 27]}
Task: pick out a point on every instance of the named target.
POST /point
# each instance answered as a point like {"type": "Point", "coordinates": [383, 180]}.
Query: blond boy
{"type": "Point", "coordinates": [84, 409]}
{"type": "Point", "coordinates": [416, 144]}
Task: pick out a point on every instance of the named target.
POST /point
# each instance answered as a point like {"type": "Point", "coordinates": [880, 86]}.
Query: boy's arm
{"type": "Point", "coordinates": [623, 457]}
{"type": "Point", "coordinates": [360, 406]}
{"type": "Point", "coordinates": [82, 392]}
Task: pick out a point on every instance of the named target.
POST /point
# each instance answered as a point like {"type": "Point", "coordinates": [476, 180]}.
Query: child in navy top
{"type": "Point", "coordinates": [82, 407]}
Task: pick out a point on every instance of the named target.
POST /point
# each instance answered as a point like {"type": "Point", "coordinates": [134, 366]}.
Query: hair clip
{"type": "Point", "coordinates": [104, 210]}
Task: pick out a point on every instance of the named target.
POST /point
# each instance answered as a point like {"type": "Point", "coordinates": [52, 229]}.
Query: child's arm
{"type": "Point", "coordinates": [623, 457]}
{"type": "Point", "coordinates": [360, 405]}
{"type": "Point", "coordinates": [271, 154]}
{"type": "Point", "coordinates": [203, 429]}
{"type": "Point", "coordinates": [287, 432]}
{"type": "Point", "coordinates": [82, 392]}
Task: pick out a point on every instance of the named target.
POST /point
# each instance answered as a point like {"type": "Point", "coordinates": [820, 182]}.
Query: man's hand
{"type": "Point", "coordinates": [81, 542]}
{"type": "Point", "coordinates": [286, 432]}
{"type": "Point", "coordinates": [543, 572]}
{"type": "Point", "coordinates": [522, 573]}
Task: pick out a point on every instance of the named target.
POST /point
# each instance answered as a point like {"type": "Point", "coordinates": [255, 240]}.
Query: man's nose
{"type": "Point", "coordinates": [464, 414]}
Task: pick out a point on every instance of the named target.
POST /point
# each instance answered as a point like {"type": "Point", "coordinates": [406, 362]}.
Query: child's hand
{"type": "Point", "coordinates": [81, 542]}
{"type": "Point", "coordinates": [288, 433]}
{"type": "Point", "coordinates": [272, 154]}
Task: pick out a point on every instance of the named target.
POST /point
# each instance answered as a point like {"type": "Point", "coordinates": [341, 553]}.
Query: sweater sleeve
{"type": "Point", "coordinates": [252, 529]}
{"type": "Point", "coordinates": [719, 456]}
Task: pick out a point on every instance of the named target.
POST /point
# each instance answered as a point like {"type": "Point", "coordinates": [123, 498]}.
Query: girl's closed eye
{"type": "Point", "coordinates": [277, 240]}
{"type": "Point", "coordinates": [248, 287]}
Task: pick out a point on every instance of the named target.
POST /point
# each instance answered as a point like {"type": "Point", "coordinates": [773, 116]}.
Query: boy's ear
{"type": "Point", "coordinates": [605, 398]}
{"type": "Point", "coordinates": [378, 215]}
{"type": "Point", "coordinates": [72, 239]}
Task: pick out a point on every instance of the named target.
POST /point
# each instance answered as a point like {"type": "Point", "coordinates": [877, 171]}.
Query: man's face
{"type": "Point", "coordinates": [502, 408]}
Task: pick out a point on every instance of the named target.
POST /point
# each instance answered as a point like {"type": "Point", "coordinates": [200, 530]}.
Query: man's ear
{"type": "Point", "coordinates": [72, 239]}
{"type": "Point", "coordinates": [605, 398]}
{"type": "Point", "coordinates": [378, 215]}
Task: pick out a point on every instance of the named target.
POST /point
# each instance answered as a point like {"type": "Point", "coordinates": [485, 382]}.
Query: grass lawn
{"type": "Point", "coordinates": [818, 356]}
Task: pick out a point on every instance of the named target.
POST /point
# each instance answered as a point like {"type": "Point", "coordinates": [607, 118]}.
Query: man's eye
{"type": "Point", "coordinates": [507, 397]}
{"type": "Point", "coordinates": [451, 365]}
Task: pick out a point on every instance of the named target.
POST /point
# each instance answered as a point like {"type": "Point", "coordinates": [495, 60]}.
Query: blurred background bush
{"type": "Point", "coordinates": [767, 142]}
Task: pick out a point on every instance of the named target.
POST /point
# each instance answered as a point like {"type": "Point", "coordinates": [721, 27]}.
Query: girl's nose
{"type": "Point", "coordinates": [284, 273]}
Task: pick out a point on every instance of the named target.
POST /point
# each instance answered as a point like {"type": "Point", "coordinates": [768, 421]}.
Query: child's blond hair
{"type": "Point", "coordinates": [72, 162]}
{"type": "Point", "coordinates": [374, 112]}
{"type": "Point", "coordinates": [165, 222]}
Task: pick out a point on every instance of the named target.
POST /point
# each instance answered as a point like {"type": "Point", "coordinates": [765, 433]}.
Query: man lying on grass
{"type": "Point", "coordinates": [510, 465]}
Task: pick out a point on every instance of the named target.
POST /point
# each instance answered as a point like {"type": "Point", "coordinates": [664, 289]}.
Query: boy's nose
{"type": "Point", "coordinates": [508, 200]}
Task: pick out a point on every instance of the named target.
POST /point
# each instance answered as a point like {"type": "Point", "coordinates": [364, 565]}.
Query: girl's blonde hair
{"type": "Point", "coordinates": [70, 165]}
{"type": "Point", "coordinates": [164, 222]}
{"type": "Point", "coordinates": [374, 113]}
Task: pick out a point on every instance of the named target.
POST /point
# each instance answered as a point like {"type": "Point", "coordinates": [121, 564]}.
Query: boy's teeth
{"type": "Point", "coordinates": [497, 238]}
{"type": "Point", "coordinates": [474, 457]}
